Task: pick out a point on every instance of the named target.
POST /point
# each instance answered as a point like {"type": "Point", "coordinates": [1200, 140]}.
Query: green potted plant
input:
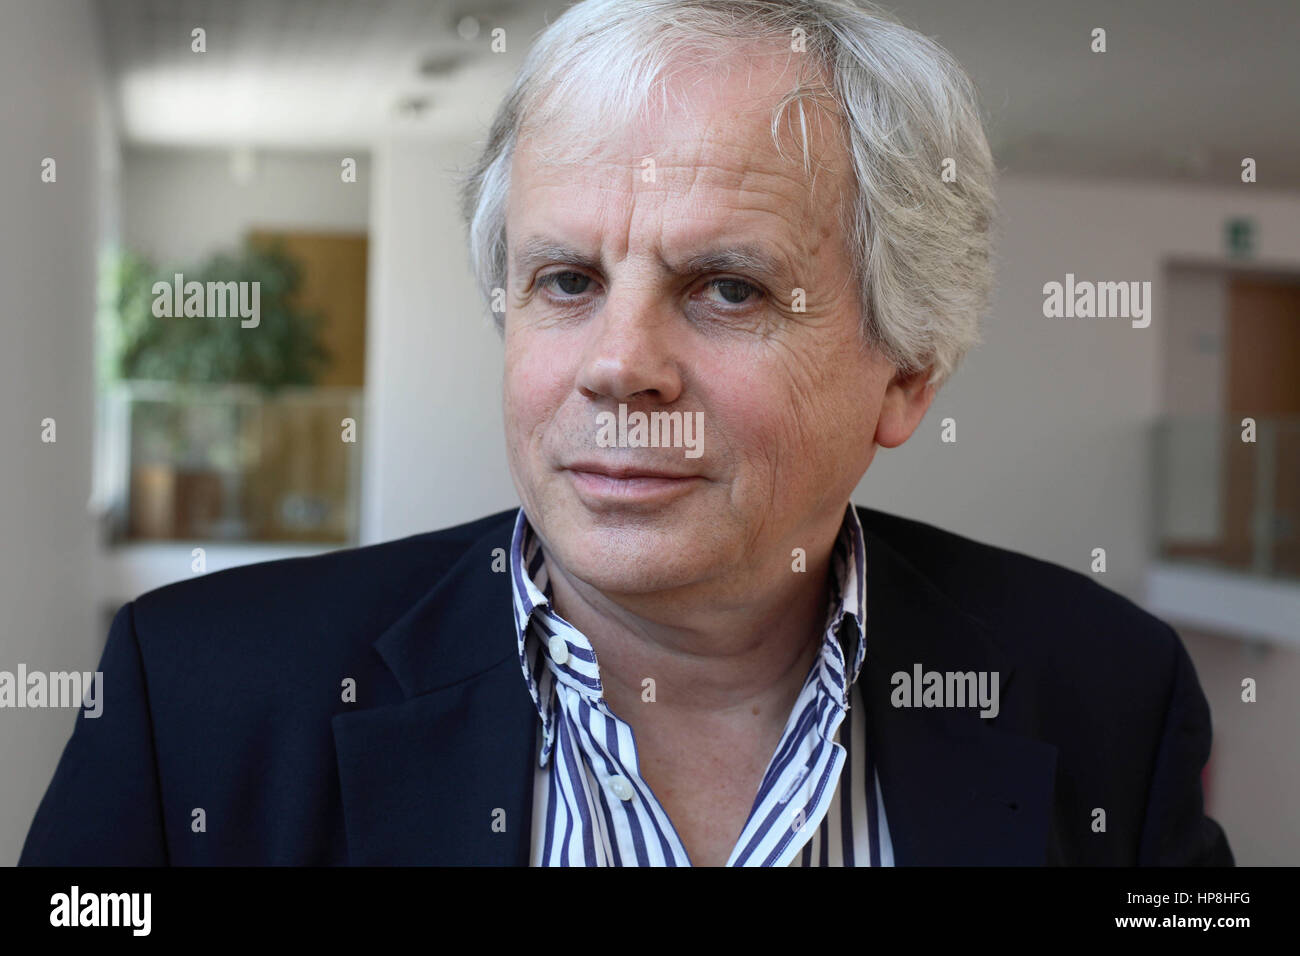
{"type": "Point", "coordinates": [187, 446]}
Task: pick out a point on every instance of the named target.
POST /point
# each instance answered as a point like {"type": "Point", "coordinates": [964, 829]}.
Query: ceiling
{"type": "Point", "coordinates": [1186, 89]}
{"type": "Point", "coordinates": [307, 74]}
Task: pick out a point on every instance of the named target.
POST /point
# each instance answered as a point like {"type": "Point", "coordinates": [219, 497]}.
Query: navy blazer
{"type": "Point", "coordinates": [224, 694]}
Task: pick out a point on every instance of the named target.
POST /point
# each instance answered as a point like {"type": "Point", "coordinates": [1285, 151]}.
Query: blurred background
{"type": "Point", "coordinates": [311, 146]}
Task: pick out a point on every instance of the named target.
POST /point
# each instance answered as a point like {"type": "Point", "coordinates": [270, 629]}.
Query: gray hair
{"type": "Point", "coordinates": [922, 245]}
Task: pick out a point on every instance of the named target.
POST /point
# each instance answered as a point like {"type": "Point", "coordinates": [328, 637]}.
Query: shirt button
{"type": "Point", "coordinates": [559, 649]}
{"type": "Point", "coordinates": [620, 787]}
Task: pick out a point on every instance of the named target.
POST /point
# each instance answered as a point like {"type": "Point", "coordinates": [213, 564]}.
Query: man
{"type": "Point", "coordinates": [737, 247]}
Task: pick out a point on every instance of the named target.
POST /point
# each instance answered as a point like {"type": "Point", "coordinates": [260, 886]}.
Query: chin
{"type": "Point", "coordinates": [633, 560]}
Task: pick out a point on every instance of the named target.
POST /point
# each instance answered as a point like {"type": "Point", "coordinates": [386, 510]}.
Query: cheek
{"type": "Point", "coordinates": [536, 384]}
{"type": "Point", "coordinates": [848, 407]}
{"type": "Point", "coordinates": [801, 417]}
{"type": "Point", "coordinates": [757, 414]}
{"type": "Point", "coordinates": [517, 402]}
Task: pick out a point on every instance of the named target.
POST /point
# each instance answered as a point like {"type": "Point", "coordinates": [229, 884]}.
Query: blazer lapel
{"type": "Point", "coordinates": [958, 789]}
{"type": "Point", "coordinates": [443, 775]}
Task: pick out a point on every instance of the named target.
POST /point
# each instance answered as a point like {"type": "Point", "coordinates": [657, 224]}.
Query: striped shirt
{"type": "Point", "coordinates": [819, 802]}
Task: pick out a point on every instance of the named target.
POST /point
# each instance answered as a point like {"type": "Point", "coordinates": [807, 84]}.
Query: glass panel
{"type": "Point", "coordinates": [1223, 501]}
{"type": "Point", "coordinates": [233, 463]}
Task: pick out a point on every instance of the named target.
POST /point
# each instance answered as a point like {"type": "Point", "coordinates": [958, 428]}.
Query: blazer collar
{"type": "Point", "coordinates": [470, 612]}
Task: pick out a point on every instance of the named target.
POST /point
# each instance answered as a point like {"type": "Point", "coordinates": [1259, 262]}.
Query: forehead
{"type": "Point", "coordinates": [702, 157]}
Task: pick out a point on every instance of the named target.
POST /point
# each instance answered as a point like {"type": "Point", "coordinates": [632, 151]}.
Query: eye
{"type": "Point", "coordinates": [569, 283]}
{"type": "Point", "coordinates": [735, 291]}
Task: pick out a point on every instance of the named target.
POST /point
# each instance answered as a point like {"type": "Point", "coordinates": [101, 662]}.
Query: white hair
{"type": "Point", "coordinates": [922, 246]}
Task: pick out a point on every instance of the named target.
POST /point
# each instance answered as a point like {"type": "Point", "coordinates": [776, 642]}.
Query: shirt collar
{"type": "Point", "coordinates": [536, 623]}
{"type": "Point", "coordinates": [847, 612]}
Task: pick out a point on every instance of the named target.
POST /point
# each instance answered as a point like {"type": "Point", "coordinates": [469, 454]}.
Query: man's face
{"type": "Point", "coordinates": [790, 399]}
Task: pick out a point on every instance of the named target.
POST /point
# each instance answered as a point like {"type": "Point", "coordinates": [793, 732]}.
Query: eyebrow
{"type": "Point", "coordinates": [747, 257]}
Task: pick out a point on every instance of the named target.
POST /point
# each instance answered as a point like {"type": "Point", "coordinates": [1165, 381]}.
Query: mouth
{"type": "Point", "coordinates": [602, 486]}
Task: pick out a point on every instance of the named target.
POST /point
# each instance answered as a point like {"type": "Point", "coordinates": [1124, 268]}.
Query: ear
{"type": "Point", "coordinates": [907, 398]}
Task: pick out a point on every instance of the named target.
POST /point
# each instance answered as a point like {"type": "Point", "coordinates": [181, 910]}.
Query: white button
{"type": "Point", "coordinates": [558, 648]}
{"type": "Point", "coordinates": [620, 787]}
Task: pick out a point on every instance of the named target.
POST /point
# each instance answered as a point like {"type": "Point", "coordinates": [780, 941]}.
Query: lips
{"type": "Point", "coordinates": [625, 472]}
{"type": "Point", "coordinates": [605, 487]}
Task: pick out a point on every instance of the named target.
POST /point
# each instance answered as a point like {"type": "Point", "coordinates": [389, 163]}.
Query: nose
{"type": "Point", "coordinates": [630, 351]}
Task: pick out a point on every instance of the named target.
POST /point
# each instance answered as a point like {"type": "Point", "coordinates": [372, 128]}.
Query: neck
{"type": "Point", "coordinates": [743, 654]}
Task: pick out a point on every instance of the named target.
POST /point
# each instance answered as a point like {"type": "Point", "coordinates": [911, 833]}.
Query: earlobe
{"type": "Point", "coordinates": [907, 398]}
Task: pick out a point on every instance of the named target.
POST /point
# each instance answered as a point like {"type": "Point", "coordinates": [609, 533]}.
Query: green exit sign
{"type": "Point", "coordinates": [1239, 236]}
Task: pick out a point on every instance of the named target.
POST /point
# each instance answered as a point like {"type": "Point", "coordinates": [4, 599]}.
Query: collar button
{"type": "Point", "coordinates": [559, 650]}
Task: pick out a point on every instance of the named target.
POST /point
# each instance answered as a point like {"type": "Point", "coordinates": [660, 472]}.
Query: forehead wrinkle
{"type": "Point", "coordinates": [747, 201]}
{"type": "Point", "coordinates": [771, 252]}
{"type": "Point", "coordinates": [737, 161]}
{"type": "Point", "coordinates": [715, 147]}
{"type": "Point", "coordinates": [708, 248]}
{"type": "Point", "coordinates": [711, 190]}
{"type": "Point", "coordinates": [698, 178]}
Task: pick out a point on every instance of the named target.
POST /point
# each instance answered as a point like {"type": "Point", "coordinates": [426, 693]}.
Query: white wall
{"type": "Point", "coordinates": [180, 205]}
{"type": "Point", "coordinates": [51, 101]}
{"type": "Point", "coordinates": [1053, 415]}
{"type": "Point", "coordinates": [433, 445]}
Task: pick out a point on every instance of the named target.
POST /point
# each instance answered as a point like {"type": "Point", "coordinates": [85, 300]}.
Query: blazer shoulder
{"type": "Point", "coordinates": [349, 595]}
{"type": "Point", "coordinates": [1035, 603]}
{"type": "Point", "coordinates": [1096, 674]}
